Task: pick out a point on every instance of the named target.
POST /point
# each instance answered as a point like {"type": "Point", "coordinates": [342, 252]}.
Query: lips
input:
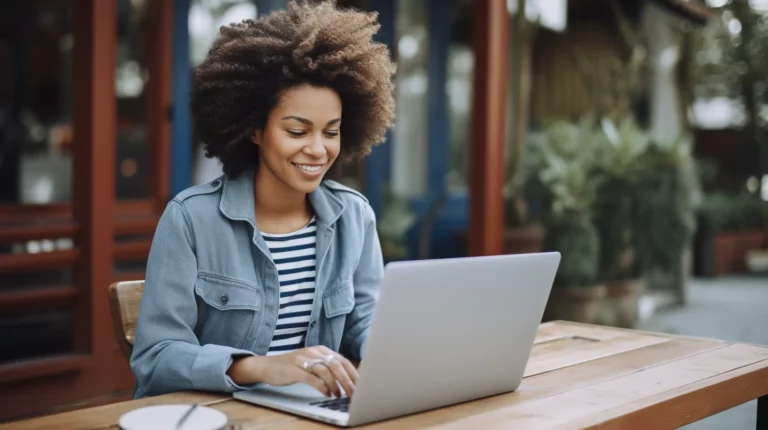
{"type": "Point", "coordinates": [309, 168]}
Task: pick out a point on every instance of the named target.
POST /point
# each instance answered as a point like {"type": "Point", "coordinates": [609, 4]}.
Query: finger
{"type": "Point", "coordinates": [317, 383]}
{"type": "Point", "coordinates": [348, 366]}
{"type": "Point", "coordinates": [341, 375]}
{"type": "Point", "coordinates": [305, 376]}
{"type": "Point", "coordinates": [325, 374]}
{"type": "Point", "coordinates": [351, 370]}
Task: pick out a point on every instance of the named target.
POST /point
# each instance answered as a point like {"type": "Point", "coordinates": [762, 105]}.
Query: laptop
{"type": "Point", "coordinates": [443, 332]}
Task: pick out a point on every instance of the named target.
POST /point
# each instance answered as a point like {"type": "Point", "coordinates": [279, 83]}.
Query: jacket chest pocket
{"type": "Point", "coordinates": [338, 302]}
{"type": "Point", "coordinates": [227, 309]}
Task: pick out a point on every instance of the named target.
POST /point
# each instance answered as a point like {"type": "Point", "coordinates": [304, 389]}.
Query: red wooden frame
{"type": "Point", "coordinates": [37, 299]}
{"type": "Point", "coordinates": [44, 366]}
{"type": "Point", "coordinates": [486, 211]}
{"type": "Point", "coordinates": [159, 108]}
{"type": "Point", "coordinates": [94, 177]}
{"type": "Point", "coordinates": [64, 210]}
{"type": "Point", "coordinates": [132, 251]}
{"type": "Point", "coordinates": [15, 263]}
{"type": "Point", "coordinates": [95, 369]}
{"type": "Point", "coordinates": [19, 231]}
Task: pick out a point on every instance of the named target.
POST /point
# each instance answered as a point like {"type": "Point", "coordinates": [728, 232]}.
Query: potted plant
{"type": "Point", "coordinates": [562, 163]}
{"type": "Point", "coordinates": [668, 195]}
{"type": "Point", "coordinates": [576, 294]}
{"type": "Point", "coordinates": [731, 225]}
{"type": "Point", "coordinates": [621, 147]}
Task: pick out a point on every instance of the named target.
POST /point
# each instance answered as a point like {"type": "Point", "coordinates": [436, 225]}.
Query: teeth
{"type": "Point", "coordinates": [311, 169]}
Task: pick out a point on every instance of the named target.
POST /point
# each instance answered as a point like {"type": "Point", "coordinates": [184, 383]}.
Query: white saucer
{"type": "Point", "coordinates": [162, 417]}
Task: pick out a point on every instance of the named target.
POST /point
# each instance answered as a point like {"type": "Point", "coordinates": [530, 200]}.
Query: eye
{"type": "Point", "coordinates": [296, 133]}
{"type": "Point", "coordinates": [331, 133]}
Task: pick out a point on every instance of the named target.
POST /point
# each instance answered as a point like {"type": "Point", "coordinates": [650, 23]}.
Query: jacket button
{"type": "Point", "coordinates": [224, 300]}
{"type": "Point", "coordinates": [215, 183]}
{"type": "Point", "coordinates": [312, 324]}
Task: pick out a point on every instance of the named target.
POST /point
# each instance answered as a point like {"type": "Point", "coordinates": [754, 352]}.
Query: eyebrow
{"type": "Point", "coordinates": [308, 122]}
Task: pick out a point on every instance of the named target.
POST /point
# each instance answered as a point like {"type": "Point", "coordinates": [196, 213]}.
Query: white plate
{"type": "Point", "coordinates": [162, 417]}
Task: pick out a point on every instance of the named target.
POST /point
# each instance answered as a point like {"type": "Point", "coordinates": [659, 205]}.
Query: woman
{"type": "Point", "coordinates": [270, 273]}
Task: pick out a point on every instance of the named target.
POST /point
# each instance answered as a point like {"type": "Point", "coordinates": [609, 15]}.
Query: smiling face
{"type": "Point", "coordinates": [301, 139]}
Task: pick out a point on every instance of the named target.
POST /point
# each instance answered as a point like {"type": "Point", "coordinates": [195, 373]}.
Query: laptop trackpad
{"type": "Point", "coordinates": [298, 398]}
{"type": "Point", "coordinates": [294, 392]}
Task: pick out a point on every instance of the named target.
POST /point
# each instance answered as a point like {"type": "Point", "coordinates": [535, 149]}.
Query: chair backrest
{"type": "Point", "coordinates": [124, 301]}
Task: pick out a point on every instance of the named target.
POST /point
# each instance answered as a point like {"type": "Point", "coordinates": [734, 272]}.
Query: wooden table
{"type": "Point", "coordinates": [579, 376]}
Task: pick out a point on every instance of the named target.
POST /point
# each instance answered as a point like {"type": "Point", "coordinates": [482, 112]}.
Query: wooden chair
{"type": "Point", "coordinates": [124, 301]}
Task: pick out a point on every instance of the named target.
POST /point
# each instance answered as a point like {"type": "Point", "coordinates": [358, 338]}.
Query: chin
{"type": "Point", "coordinates": [307, 188]}
{"type": "Point", "coordinates": [305, 185]}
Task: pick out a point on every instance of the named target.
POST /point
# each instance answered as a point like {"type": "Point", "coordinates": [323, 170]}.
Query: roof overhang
{"type": "Point", "coordinates": [690, 10]}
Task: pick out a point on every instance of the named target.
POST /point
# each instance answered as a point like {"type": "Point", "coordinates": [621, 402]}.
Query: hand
{"type": "Point", "coordinates": [289, 369]}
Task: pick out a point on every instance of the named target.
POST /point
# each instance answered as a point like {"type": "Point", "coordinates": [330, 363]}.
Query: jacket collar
{"type": "Point", "coordinates": [237, 201]}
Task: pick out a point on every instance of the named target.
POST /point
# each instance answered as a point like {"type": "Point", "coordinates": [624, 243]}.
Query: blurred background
{"type": "Point", "coordinates": [629, 135]}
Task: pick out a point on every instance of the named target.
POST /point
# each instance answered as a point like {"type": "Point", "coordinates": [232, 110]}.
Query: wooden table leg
{"type": "Point", "coordinates": [762, 413]}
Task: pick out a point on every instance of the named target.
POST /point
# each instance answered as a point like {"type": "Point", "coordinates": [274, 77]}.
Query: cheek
{"type": "Point", "coordinates": [277, 148]}
{"type": "Point", "coordinates": [333, 148]}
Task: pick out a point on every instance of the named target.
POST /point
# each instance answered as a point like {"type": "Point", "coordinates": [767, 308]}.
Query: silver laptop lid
{"type": "Point", "coordinates": [448, 331]}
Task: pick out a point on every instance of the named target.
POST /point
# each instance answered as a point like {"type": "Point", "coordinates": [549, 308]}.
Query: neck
{"type": "Point", "coordinates": [273, 197]}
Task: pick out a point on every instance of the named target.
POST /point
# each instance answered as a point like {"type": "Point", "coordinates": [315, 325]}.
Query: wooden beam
{"type": "Point", "coordinates": [486, 212]}
{"type": "Point", "coordinates": [64, 210]}
{"type": "Point", "coordinates": [36, 299]}
{"type": "Point", "coordinates": [136, 224]}
{"type": "Point", "coordinates": [35, 368]}
{"type": "Point", "coordinates": [158, 98]}
{"type": "Point", "coordinates": [132, 251]}
{"type": "Point", "coordinates": [95, 27]}
{"type": "Point", "coordinates": [27, 211]}
{"type": "Point", "coordinates": [42, 228]}
{"type": "Point", "coordinates": [132, 207]}
{"type": "Point", "coordinates": [19, 263]}
{"type": "Point", "coordinates": [18, 231]}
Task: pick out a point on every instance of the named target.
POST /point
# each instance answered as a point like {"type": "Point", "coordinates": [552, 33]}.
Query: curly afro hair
{"type": "Point", "coordinates": [253, 62]}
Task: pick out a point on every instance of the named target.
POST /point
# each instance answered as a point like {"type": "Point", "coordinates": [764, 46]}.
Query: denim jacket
{"type": "Point", "coordinates": [211, 291]}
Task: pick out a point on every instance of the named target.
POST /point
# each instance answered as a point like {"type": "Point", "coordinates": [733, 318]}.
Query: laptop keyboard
{"type": "Point", "coordinates": [341, 404]}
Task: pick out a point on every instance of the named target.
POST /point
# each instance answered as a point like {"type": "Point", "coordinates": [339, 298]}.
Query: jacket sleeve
{"type": "Point", "coordinates": [167, 355]}
{"type": "Point", "coordinates": [366, 280]}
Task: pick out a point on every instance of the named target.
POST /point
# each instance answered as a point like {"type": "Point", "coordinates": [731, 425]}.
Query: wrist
{"type": "Point", "coordinates": [255, 366]}
{"type": "Point", "coordinates": [247, 370]}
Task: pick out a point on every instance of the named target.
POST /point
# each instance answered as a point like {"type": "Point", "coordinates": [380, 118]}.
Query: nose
{"type": "Point", "coordinates": [315, 148]}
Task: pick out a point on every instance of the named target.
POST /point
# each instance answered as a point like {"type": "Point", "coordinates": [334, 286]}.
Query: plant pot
{"type": "Point", "coordinates": [731, 249]}
{"type": "Point", "coordinates": [523, 240]}
{"type": "Point", "coordinates": [757, 261]}
{"type": "Point", "coordinates": [620, 306]}
{"type": "Point", "coordinates": [578, 304]}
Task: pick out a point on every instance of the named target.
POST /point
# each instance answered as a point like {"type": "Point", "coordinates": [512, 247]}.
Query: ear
{"type": "Point", "coordinates": [257, 136]}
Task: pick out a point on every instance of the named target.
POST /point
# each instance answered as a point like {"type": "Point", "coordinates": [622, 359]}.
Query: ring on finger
{"type": "Point", "coordinates": [328, 358]}
{"type": "Point", "coordinates": [310, 363]}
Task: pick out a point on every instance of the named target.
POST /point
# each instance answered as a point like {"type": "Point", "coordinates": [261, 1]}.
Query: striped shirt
{"type": "Point", "coordinates": [294, 256]}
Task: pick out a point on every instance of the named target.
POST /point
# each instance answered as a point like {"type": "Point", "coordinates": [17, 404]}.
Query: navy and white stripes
{"type": "Point", "coordinates": [294, 254]}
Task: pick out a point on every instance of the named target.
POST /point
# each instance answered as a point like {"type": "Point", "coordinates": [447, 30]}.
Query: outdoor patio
{"type": "Point", "coordinates": [731, 308]}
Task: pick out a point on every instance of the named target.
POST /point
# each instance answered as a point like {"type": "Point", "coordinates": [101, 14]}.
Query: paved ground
{"type": "Point", "coordinates": [731, 308]}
